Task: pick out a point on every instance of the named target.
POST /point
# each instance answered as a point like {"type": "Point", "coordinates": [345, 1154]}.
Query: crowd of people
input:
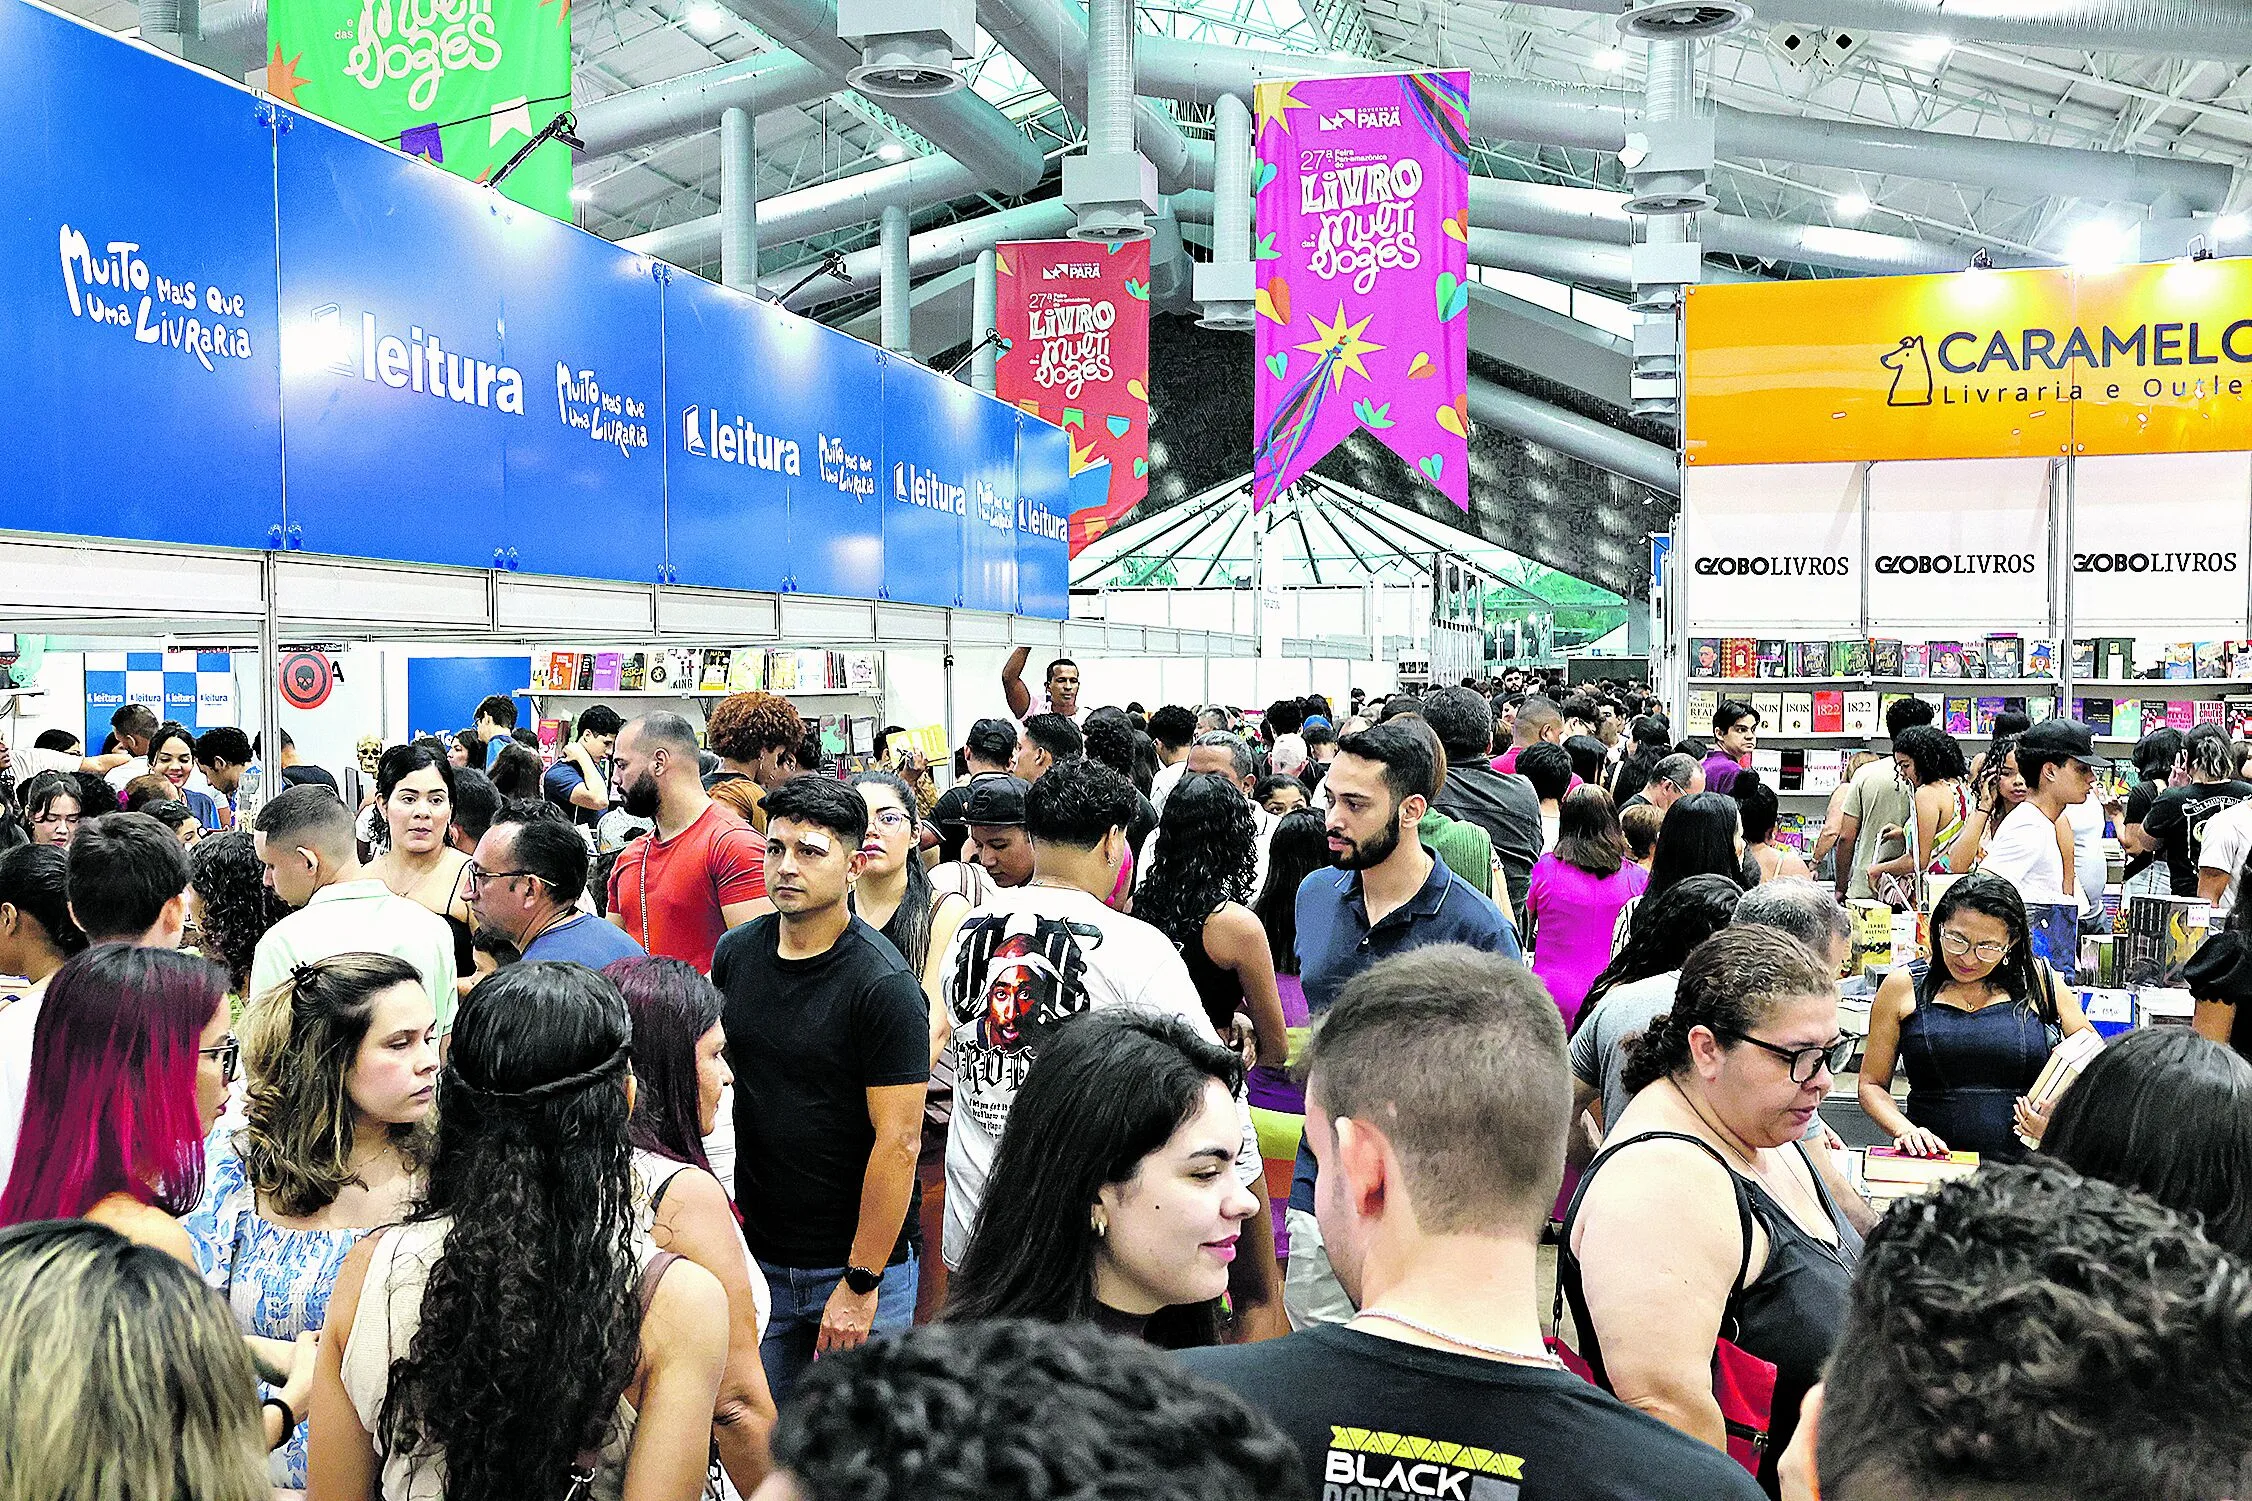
{"type": "Point", "coordinates": [690, 1117]}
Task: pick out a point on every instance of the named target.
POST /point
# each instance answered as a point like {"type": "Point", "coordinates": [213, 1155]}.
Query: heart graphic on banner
{"type": "Point", "coordinates": [1137, 390]}
{"type": "Point", "coordinates": [1261, 175]}
{"type": "Point", "coordinates": [1277, 363]}
{"type": "Point", "coordinates": [1421, 368]}
{"type": "Point", "coordinates": [1457, 224]}
{"type": "Point", "coordinates": [1273, 299]}
{"type": "Point", "coordinates": [1118, 425]}
{"type": "Point", "coordinates": [1433, 465]}
{"type": "Point", "coordinates": [1454, 296]}
{"type": "Point", "coordinates": [1138, 290]}
{"type": "Point", "coordinates": [1141, 468]}
{"type": "Point", "coordinates": [1266, 250]}
{"type": "Point", "coordinates": [1452, 419]}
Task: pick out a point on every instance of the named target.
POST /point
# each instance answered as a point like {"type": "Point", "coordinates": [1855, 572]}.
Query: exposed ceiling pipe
{"type": "Point", "coordinates": [160, 24]}
{"type": "Point", "coordinates": [1578, 437]}
{"type": "Point", "coordinates": [2188, 28]}
{"type": "Point", "coordinates": [1225, 286]}
{"type": "Point", "coordinates": [1049, 37]}
{"type": "Point", "coordinates": [815, 210]}
{"type": "Point", "coordinates": [931, 251]}
{"type": "Point", "coordinates": [695, 101]}
{"type": "Point", "coordinates": [891, 279]}
{"type": "Point", "coordinates": [1111, 184]}
{"type": "Point", "coordinates": [738, 201]}
{"type": "Point", "coordinates": [234, 30]}
{"type": "Point", "coordinates": [1513, 109]}
{"type": "Point", "coordinates": [961, 124]}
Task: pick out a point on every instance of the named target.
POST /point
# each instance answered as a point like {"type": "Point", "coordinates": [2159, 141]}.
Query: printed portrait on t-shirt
{"type": "Point", "coordinates": [1016, 978]}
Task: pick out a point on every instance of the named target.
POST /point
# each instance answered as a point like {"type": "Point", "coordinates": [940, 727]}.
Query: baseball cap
{"type": "Point", "coordinates": [2062, 737]}
{"type": "Point", "coordinates": [996, 802]}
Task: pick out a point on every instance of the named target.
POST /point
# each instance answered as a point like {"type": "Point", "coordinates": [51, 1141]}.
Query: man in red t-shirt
{"type": "Point", "coordinates": [703, 871]}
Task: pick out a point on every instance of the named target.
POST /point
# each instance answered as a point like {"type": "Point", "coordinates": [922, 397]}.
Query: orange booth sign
{"type": "Point", "coordinates": [1976, 364]}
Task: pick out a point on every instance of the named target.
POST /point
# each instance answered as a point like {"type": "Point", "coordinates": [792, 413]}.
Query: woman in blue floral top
{"type": "Point", "coordinates": [342, 1061]}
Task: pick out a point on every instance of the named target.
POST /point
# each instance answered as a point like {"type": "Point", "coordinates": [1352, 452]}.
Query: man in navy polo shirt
{"type": "Point", "coordinates": [1389, 895]}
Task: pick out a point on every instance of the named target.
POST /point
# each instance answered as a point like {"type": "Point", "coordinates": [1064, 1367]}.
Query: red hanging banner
{"type": "Point", "coordinates": [1075, 351]}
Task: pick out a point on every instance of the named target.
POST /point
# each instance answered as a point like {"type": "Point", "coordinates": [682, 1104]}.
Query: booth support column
{"type": "Point", "coordinates": [269, 677]}
{"type": "Point", "coordinates": [738, 201]}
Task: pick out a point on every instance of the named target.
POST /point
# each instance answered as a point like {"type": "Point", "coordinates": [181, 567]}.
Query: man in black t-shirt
{"type": "Point", "coordinates": [1437, 1105]}
{"type": "Point", "coordinates": [828, 1035]}
{"type": "Point", "coordinates": [2177, 818]}
{"type": "Point", "coordinates": [986, 753]}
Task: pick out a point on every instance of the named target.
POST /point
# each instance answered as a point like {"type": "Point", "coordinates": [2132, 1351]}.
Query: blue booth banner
{"type": "Point", "coordinates": [448, 377]}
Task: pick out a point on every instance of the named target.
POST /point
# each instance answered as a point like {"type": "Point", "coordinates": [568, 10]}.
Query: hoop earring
{"type": "Point", "coordinates": [1097, 1223]}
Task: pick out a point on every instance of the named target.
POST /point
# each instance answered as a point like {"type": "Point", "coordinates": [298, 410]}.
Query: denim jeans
{"type": "Point", "coordinates": [800, 1295]}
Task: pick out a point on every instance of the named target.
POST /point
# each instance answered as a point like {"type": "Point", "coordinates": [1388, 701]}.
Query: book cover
{"type": "Point", "coordinates": [2084, 659]}
{"type": "Point", "coordinates": [1704, 656]}
{"type": "Point", "coordinates": [563, 671]}
{"type": "Point", "coordinates": [1890, 1165]}
{"type": "Point", "coordinates": [1792, 777]}
{"type": "Point", "coordinates": [862, 670]}
{"type": "Point", "coordinates": [2095, 713]}
{"type": "Point", "coordinates": [1798, 714]}
{"type": "Point", "coordinates": [1983, 710]}
{"type": "Point", "coordinates": [2180, 661]}
{"type": "Point", "coordinates": [2162, 933]}
{"type": "Point", "coordinates": [2127, 719]}
{"type": "Point", "coordinates": [1736, 656]}
{"type": "Point", "coordinates": [2115, 656]}
{"type": "Point", "coordinates": [1825, 769]}
{"type": "Point", "coordinates": [1958, 716]}
{"type": "Point", "coordinates": [658, 677]}
{"type": "Point", "coordinates": [713, 678]}
{"type": "Point", "coordinates": [1884, 656]}
{"type": "Point", "coordinates": [746, 671]}
{"type": "Point", "coordinates": [1770, 660]}
{"type": "Point", "coordinates": [861, 734]}
{"type": "Point", "coordinates": [2065, 1063]}
{"type": "Point", "coordinates": [1974, 659]}
{"type": "Point", "coordinates": [1768, 762]}
{"type": "Point", "coordinates": [1850, 659]}
{"type": "Point", "coordinates": [633, 672]}
{"type": "Point", "coordinates": [1810, 659]}
{"type": "Point", "coordinates": [2239, 716]}
{"type": "Point", "coordinates": [586, 672]}
{"type": "Point", "coordinates": [540, 679]}
{"type": "Point", "coordinates": [2211, 711]}
{"type": "Point", "coordinates": [2018, 703]}
{"type": "Point", "coordinates": [2005, 654]}
{"type": "Point", "coordinates": [1829, 711]}
{"type": "Point", "coordinates": [1769, 708]}
{"type": "Point", "coordinates": [1946, 659]}
{"type": "Point", "coordinates": [2043, 708]}
{"type": "Point", "coordinates": [552, 733]}
{"type": "Point", "coordinates": [608, 669]}
{"type": "Point", "coordinates": [1861, 713]}
{"type": "Point", "coordinates": [2181, 714]}
{"type": "Point", "coordinates": [835, 737]}
{"type": "Point", "coordinates": [2041, 660]}
{"type": "Point", "coordinates": [1915, 658]}
{"type": "Point", "coordinates": [813, 671]}
{"type": "Point", "coordinates": [781, 671]}
{"type": "Point", "coordinates": [1703, 704]}
{"type": "Point", "coordinates": [2212, 659]}
{"type": "Point", "coordinates": [2240, 661]}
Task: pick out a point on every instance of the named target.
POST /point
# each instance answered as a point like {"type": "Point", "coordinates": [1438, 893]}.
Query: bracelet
{"type": "Point", "coordinates": [289, 1417]}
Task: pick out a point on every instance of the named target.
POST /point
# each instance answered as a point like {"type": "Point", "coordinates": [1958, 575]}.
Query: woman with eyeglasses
{"type": "Point", "coordinates": [1973, 1031]}
{"type": "Point", "coordinates": [343, 1069]}
{"type": "Point", "coordinates": [414, 792]}
{"type": "Point", "coordinates": [1705, 1217]}
{"type": "Point", "coordinates": [51, 806]}
{"type": "Point", "coordinates": [893, 892]}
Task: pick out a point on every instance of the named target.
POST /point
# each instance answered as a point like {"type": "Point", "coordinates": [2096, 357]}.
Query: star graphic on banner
{"type": "Point", "coordinates": [1345, 341]}
{"type": "Point", "coordinates": [282, 78]}
{"type": "Point", "coordinates": [508, 115]}
{"type": "Point", "coordinates": [562, 12]}
{"type": "Point", "coordinates": [1274, 101]}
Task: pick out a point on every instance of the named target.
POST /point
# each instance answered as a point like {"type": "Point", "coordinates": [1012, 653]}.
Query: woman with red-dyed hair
{"type": "Point", "coordinates": [130, 1064]}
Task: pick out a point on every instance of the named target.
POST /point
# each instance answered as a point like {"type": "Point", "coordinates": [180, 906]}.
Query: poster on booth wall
{"type": "Point", "coordinates": [1075, 351]}
{"type": "Point", "coordinates": [462, 83]}
{"type": "Point", "coordinates": [1363, 268]}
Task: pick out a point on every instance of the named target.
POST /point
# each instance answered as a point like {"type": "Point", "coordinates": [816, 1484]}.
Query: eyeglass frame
{"type": "Point", "coordinates": [1948, 938]}
{"type": "Point", "coordinates": [895, 818]}
{"type": "Point", "coordinates": [1840, 1050]}
{"type": "Point", "coordinates": [229, 1054]}
{"type": "Point", "coordinates": [477, 875]}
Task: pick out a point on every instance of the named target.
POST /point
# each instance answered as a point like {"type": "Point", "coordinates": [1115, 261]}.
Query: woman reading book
{"type": "Point", "coordinates": [1973, 1031]}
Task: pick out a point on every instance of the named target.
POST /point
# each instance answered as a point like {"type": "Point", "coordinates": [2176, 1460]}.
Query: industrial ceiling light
{"type": "Point", "coordinates": [1610, 60]}
{"type": "Point", "coordinates": [1683, 20]}
{"type": "Point", "coordinates": [706, 21]}
{"type": "Point", "coordinates": [909, 49]}
{"type": "Point", "coordinates": [1850, 206]}
{"type": "Point", "coordinates": [2096, 243]}
{"type": "Point", "coordinates": [891, 151]}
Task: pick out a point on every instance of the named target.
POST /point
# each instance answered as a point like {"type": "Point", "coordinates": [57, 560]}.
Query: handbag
{"type": "Point", "coordinates": [1742, 1383]}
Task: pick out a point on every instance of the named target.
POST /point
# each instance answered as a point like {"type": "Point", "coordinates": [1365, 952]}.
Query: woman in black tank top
{"type": "Point", "coordinates": [1706, 1217]}
{"type": "Point", "coordinates": [1197, 892]}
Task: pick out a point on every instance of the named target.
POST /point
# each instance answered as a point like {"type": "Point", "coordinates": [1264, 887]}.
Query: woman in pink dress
{"type": "Point", "coordinates": [1575, 895]}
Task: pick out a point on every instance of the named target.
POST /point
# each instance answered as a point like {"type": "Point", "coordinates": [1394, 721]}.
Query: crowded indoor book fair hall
{"type": "Point", "coordinates": [706, 796]}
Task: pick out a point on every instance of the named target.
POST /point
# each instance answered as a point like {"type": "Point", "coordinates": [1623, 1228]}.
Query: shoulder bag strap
{"type": "Point", "coordinates": [1735, 1181]}
{"type": "Point", "coordinates": [588, 1461]}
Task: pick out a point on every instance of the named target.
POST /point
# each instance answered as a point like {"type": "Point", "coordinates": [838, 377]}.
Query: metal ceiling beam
{"type": "Point", "coordinates": [931, 251]}
{"type": "Point", "coordinates": [858, 199]}
{"type": "Point", "coordinates": [694, 102]}
{"type": "Point", "coordinates": [1578, 437]}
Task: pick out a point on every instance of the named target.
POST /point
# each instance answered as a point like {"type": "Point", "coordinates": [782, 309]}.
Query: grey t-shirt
{"type": "Point", "coordinates": [1880, 800]}
{"type": "Point", "coordinates": [1599, 1046]}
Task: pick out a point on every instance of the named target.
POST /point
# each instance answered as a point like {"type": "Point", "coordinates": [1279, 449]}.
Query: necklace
{"type": "Point", "coordinates": [1499, 1352]}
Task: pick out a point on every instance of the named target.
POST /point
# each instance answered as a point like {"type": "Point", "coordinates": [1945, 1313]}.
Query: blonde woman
{"type": "Point", "coordinates": [119, 1376]}
{"type": "Point", "coordinates": [343, 1069]}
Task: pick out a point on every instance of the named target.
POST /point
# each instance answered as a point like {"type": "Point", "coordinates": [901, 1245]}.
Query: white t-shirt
{"type": "Point", "coordinates": [2228, 838]}
{"type": "Point", "coordinates": [17, 1019]}
{"type": "Point", "coordinates": [2086, 818]}
{"type": "Point", "coordinates": [2024, 853]}
{"type": "Point", "coordinates": [1167, 778]}
{"type": "Point", "coordinates": [1030, 958]}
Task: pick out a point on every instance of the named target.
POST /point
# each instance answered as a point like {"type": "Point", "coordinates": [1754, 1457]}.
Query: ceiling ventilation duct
{"type": "Point", "coordinates": [909, 49]}
{"type": "Point", "coordinates": [1111, 185]}
{"type": "Point", "coordinates": [1683, 20]}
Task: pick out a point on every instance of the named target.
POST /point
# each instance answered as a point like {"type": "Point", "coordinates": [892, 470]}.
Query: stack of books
{"type": "Point", "coordinates": [1889, 1174]}
{"type": "Point", "coordinates": [2066, 1061]}
{"type": "Point", "coordinates": [2001, 654]}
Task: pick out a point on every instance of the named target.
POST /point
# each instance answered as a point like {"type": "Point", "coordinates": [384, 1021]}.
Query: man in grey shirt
{"type": "Point", "coordinates": [1598, 1054]}
{"type": "Point", "coordinates": [1875, 800]}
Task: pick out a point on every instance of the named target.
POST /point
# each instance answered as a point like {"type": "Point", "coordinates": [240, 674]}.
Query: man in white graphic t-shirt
{"type": "Point", "coordinates": [1036, 955]}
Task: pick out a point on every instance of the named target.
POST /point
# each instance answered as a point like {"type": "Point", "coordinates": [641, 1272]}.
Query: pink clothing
{"type": "Point", "coordinates": [1505, 764]}
{"type": "Point", "coordinates": [1573, 915]}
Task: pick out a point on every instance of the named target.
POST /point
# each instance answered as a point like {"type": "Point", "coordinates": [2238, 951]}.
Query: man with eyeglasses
{"type": "Point", "coordinates": [524, 886]}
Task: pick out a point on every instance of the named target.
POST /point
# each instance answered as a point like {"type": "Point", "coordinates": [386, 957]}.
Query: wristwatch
{"type": "Point", "coordinates": [862, 1281]}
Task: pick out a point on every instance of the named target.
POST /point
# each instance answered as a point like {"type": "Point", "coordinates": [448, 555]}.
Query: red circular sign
{"type": "Point", "coordinates": [306, 678]}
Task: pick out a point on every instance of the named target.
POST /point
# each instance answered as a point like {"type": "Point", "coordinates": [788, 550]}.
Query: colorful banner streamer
{"type": "Point", "coordinates": [1075, 351]}
{"type": "Point", "coordinates": [1363, 267]}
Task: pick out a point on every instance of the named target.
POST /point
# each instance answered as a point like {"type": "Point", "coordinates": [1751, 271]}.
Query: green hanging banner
{"type": "Point", "coordinates": [465, 83]}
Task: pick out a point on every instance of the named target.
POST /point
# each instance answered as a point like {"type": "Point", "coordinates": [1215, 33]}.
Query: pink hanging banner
{"type": "Point", "coordinates": [1363, 270]}
{"type": "Point", "coordinates": [1075, 351]}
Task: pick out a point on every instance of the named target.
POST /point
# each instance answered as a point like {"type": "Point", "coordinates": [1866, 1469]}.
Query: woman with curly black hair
{"type": "Point", "coordinates": [230, 906]}
{"type": "Point", "coordinates": [1197, 893]}
{"type": "Point", "coordinates": [1114, 1198]}
{"type": "Point", "coordinates": [517, 1337]}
